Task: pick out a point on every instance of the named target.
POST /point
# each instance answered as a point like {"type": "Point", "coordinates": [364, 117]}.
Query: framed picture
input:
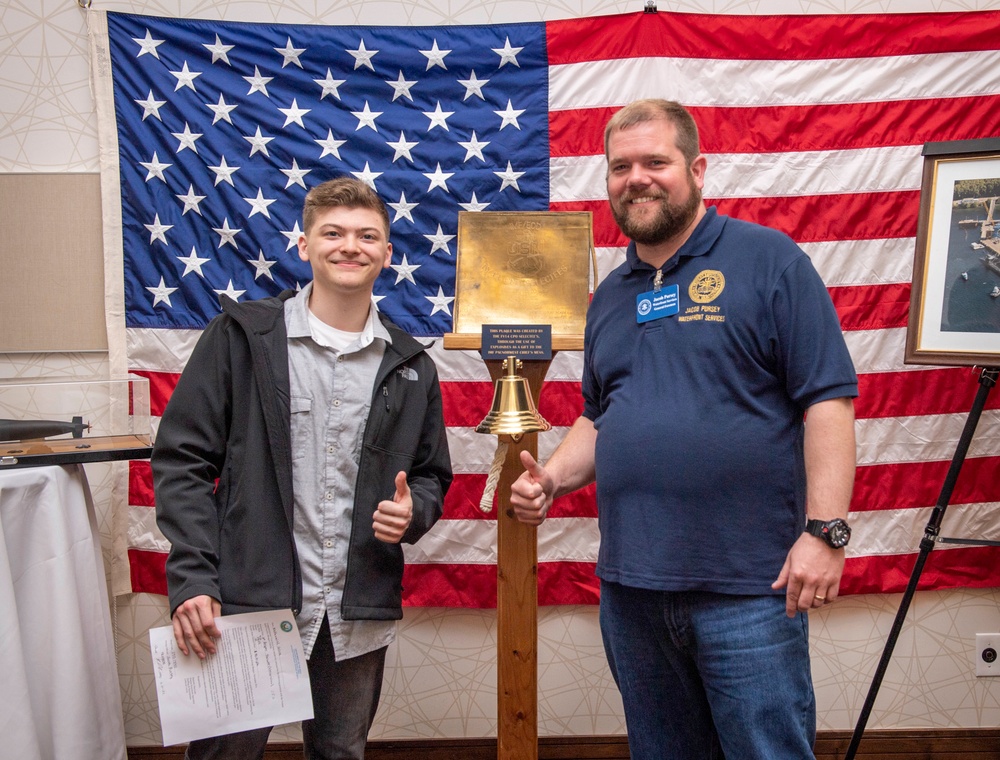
{"type": "Point", "coordinates": [955, 298]}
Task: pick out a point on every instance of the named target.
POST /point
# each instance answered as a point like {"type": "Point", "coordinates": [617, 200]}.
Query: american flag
{"type": "Point", "coordinates": [812, 124]}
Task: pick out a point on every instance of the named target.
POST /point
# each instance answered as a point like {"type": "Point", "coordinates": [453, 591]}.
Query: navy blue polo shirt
{"type": "Point", "coordinates": [699, 415]}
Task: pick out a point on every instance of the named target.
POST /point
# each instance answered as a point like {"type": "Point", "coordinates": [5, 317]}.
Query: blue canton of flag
{"type": "Point", "coordinates": [222, 128]}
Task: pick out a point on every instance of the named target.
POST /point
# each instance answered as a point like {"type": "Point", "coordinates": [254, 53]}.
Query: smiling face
{"type": "Point", "coordinates": [655, 196]}
{"type": "Point", "coordinates": [347, 249]}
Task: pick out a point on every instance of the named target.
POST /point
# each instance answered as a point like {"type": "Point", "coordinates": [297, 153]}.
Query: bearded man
{"type": "Point", "coordinates": [718, 424]}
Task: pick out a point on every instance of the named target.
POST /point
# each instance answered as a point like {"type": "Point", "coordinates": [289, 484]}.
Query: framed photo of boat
{"type": "Point", "coordinates": [955, 296]}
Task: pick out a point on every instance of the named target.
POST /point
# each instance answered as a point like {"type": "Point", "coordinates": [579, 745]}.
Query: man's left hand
{"type": "Point", "coordinates": [393, 516]}
{"type": "Point", "coordinates": [810, 575]}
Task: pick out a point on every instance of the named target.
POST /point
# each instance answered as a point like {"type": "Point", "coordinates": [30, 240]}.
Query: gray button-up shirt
{"type": "Point", "coordinates": [331, 395]}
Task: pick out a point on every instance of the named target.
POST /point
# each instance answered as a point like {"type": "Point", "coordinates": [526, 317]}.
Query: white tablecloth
{"type": "Point", "coordinates": [59, 694]}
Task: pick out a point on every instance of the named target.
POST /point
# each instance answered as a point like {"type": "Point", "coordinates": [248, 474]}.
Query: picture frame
{"type": "Point", "coordinates": [954, 316]}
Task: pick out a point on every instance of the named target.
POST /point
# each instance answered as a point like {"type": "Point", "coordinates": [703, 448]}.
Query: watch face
{"type": "Point", "coordinates": [838, 533]}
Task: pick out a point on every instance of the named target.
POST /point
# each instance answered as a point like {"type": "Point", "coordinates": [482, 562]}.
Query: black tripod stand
{"type": "Point", "coordinates": [987, 379]}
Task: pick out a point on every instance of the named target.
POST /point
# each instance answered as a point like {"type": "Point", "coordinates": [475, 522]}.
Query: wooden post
{"type": "Point", "coordinates": [517, 597]}
{"type": "Point", "coordinates": [519, 269]}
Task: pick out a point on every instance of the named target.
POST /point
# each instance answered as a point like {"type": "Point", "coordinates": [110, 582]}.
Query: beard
{"type": "Point", "coordinates": [670, 219]}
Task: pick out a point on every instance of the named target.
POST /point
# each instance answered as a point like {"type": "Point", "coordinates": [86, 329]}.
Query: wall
{"type": "Point", "coordinates": [441, 674]}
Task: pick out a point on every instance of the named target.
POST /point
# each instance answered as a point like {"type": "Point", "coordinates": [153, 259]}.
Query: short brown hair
{"type": "Point", "coordinates": [651, 109]}
{"type": "Point", "coordinates": [342, 192]}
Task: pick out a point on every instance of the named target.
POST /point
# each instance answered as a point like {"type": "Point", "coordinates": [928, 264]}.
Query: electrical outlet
{"type": "Point", "coordinates": [988, 654]}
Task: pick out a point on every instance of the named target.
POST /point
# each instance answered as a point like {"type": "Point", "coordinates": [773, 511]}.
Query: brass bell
{"type": "Point", "coordinates": [513, 411]}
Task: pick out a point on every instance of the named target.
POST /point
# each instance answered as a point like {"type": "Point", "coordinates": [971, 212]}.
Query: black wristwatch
{"type": "Point", "coordinates": [835, 532]}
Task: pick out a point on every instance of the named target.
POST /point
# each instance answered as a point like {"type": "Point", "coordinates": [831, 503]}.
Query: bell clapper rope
{"type": "Point", "coordinates": [486, 503]}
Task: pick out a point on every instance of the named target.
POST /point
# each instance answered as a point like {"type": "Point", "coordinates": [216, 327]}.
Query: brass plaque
{"type": "Point", "coordinates": [523, 267]}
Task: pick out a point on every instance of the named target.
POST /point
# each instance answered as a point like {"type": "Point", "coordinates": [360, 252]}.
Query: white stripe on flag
{"type": "Point", "coordinates": [143, 532]}
{"type": "Point", "coordinates": [899, 531]}
{"type": "Point", "coordinates": [900, 440]}
{"type": "Point", "coordinates": [862, 262]}
{"type": "Point", "coordinates": [881, 440]}
{"type": "Point", "coordinates": [573, 539]}
{"type": "Point", "coordinates": [763, 175]}
{"type": "Point", "coordinates": [878, 350]}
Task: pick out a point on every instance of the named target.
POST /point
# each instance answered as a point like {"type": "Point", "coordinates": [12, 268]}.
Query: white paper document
{"type": "Point", "coordinates": [257, 677]}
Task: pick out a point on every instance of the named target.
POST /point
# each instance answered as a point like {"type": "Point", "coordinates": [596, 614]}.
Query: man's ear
{"type": "Point", "coordinates": [698, 167]}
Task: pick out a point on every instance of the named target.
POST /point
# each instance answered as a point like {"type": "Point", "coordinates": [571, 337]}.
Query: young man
{"type": "Point", "coordinates": [304, 441]}
{"type": "Point", "coordinates": [718, 417]}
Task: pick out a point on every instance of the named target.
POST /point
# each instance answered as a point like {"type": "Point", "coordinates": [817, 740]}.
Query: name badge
{"type": "Point", "coordinates": [657, 304]}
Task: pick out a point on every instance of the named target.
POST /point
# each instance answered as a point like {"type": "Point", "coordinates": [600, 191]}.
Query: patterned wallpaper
{"type": "Point", "coordinates": [441, 673]}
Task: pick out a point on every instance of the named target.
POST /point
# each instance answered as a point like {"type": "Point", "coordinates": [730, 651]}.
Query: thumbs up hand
{"type": "Point", "coordinates": [393, 516]}
{"type": "Point", "coordinates": [531, 494]}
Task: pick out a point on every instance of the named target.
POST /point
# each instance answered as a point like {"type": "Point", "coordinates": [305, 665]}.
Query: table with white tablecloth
{"type": "Point", "coordinates": [59, 696]}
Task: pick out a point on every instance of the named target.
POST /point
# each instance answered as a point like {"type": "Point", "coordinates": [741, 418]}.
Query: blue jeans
{"type": "Point", "coordinates": [709, 676]}
{"type": "Point", "coordinates": [345, 697]}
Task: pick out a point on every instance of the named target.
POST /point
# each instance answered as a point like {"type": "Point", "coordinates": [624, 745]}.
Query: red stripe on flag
{"type": "Point", "coordinates": [450, 585]}
{"type": "Point", "coordinates": [462, 500]}
{"type": "Point", "coordinates": [918, 484]}
{"type": "Point", "coordinates": [568, 583]}
{"type": "Point", "coordinates": [465, 403]}
{"type": "Point", "coordinates": [161, 386]}
{"type": "Point", "coordinates": [806, 218]}
{"type": "Point", "coordinates": [872, 307]}
{"type": "Point", "coordinates": [148, 573]}
{"type": "Point", "coordinates": [581, 503]}
{"type": "Point", "coordinates": [445, 585]}
{"type": "Point", "coordinates": [973, 567]}
{"type": "Point", "coordinates": [779, 129]}
{"type": "Point", "coordinates": [140, 483]}
{"type": "Point", "coordinates": [794, 37]}
{"type": "Point", "coordinates": [876, 487]}
{"type": "Point", "coordinates": [919, 391]}
{"type": "Point", "coordinates": [460, 503]}
{"type": "Point", "coordinates": [560, 402]}
{"type": "Point", "coordinates": [816, 218]}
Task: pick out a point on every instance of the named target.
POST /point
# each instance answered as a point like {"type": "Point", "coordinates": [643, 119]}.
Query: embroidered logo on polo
{"type": "Point", "coordinates": [705, 288]}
